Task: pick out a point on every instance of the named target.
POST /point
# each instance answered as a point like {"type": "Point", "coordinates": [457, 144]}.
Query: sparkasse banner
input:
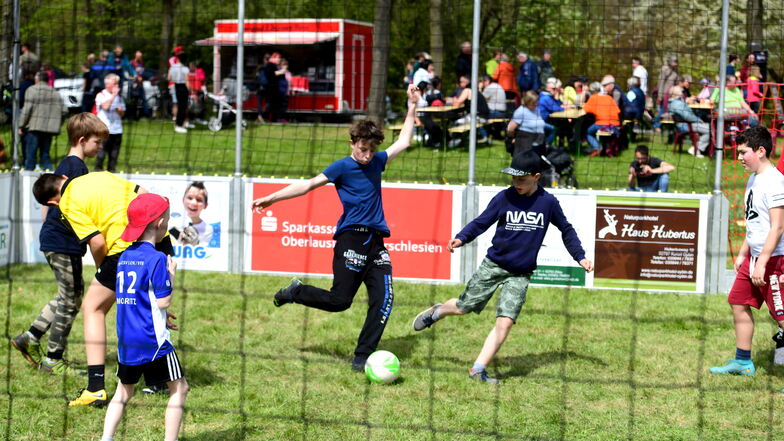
{"type": "Point", "coordinates": [296, 236]}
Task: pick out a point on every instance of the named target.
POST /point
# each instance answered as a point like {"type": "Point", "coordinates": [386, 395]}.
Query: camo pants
{"type": "Point", "coordinates": [483, 284]}
{"type": "Point", "coordinates": [58, 315]}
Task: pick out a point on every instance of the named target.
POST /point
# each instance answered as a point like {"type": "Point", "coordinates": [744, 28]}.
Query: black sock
{"type": "Point", "coordinates": [36, 333]}
{"type": "Point", "coordinates": [95, 381]}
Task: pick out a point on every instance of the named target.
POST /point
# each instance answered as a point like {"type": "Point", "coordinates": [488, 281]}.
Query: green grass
{"type": "Point", "coordinates": [580, 365]}
{"type": "Point", "coordinates": [304, 150]}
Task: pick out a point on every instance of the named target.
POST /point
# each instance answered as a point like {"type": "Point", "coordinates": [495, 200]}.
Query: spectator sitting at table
{"type": "Point", "coordinates": [495, 97]}
{"type": "Point", "coordinates": [464, 100]}
{"type": "Point", "coordinates": [734, 105]}
{"type": "Point", "coordinates": [681, 110]}
{"type": "Point", "coordinates": [604, 109]}
{"type": "Point", "coordinates": [634, 104]}
{"type": "Point", "coordinates": [432, 97]}
{"type": "Point", "coordinates": [424, 73]}
{"type": "Point", "coordinates": [575, 92]}
{"type": "Point", "coordinates": [528, 78]}
{"type": "Point", "coordinates": [705, 92]}
{"type": "Point", "coordinates": [684, 81]}
{"type": "Point", "coordinates": [549, 103]}
{"type": "Point", "coordinates": [651, 173]}
{"type": "Point", "coordinates": [505, 76]}
{"type": "Point", "coordinates": [526, 127]}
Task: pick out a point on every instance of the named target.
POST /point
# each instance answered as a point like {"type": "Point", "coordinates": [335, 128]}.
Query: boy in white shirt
{"type": "Point", "coordinates": [760, 261]}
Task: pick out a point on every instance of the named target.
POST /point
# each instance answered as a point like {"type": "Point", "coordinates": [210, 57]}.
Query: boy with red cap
{"type": "Point", "coordinates": [144, 290]}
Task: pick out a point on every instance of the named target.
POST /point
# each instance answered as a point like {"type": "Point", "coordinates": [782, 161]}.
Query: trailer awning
{"type": "Point", "coordinates": [276, 38]}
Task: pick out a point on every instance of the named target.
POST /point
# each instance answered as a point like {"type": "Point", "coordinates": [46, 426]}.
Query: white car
{"type": "Point", "coordinates": [70, 90]}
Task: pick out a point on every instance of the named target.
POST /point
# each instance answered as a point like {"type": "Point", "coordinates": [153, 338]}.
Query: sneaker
{"type": "Point", "coordinates": [358, 363]}
{"type": "Point", "coordinates": [425, 318]}
{"type": "Point", "coordinates": [31, 351]}
{"type": "Point", "coordinates": [87, 398]}
{"type": "Point", "coordinates": [285, 295]}
{"type": "Point", "coordinates": [156, 389]}
{"type": "Point", "coordinates": [59, 367]}
{"type": "Point", "coordinates": [482, 376]}
{"type": "Point", "coordinates": [179, 129]}
{"type": "Point", "coordinates": [778, 356]}
{"type": "Point", "coordinates": [190, 126]}
{"type": "Point", "coordinates": [735, 367]}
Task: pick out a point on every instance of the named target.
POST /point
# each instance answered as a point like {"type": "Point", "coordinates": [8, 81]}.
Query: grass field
{"type": "Point", "coordinates": [304, 150]}
{"type": "Point", "coordinates": [580, 365]}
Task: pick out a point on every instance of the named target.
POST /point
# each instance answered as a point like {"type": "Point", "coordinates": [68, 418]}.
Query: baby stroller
{"type": "Point", "coordinates": [224, 112]}
{"type": "Point", "coordinates": [558, 169]}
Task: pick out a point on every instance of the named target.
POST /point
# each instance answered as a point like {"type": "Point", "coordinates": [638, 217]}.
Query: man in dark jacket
{"type": "Point", "coordinates": [528, 78]}
{"type": "Point", "coordinates": [463, 67]}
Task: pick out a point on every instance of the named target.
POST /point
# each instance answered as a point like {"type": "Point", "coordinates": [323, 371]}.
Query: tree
{"type": "Point", "coordinates": [378, 77]}
{"type": "Point", "coordinates": [755, 11]}
{"type": "Point", "coordinates": [436, 36]}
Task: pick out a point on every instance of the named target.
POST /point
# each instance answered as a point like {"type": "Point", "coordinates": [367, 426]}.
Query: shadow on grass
{"type": "Point", "coordinates": [199, 376]}
{"type": "Point", "coordinates": [524, 365]}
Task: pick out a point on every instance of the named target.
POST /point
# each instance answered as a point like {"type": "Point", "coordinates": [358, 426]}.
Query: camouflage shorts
{"type": "Point", "coordinates": [483, 285]}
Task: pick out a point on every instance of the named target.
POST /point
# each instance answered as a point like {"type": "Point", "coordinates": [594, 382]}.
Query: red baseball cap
{"type": "Point", "coordinates": [141, 211]}
{"type": "Point", "coordinates": [178, 50]}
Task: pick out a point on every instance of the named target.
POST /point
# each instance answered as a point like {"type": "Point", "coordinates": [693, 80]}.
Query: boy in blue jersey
{"type": "Point", "coordinates": [359, 254]}
{"type": "Point", "coordinates": [63, 252]}
{"type": "Point", "coordinates": [522, 213]}
{"type": "Point", "coordinates": [145, 278]}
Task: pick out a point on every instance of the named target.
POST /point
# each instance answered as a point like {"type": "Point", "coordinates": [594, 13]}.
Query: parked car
{"type": "Point", "coordinates": [70, 90]}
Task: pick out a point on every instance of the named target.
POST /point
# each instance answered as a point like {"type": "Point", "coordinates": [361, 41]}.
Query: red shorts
{"type": "Point", "coordinates": [744, 292]}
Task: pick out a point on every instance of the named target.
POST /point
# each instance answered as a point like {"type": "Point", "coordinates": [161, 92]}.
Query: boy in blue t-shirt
{"type": "Point", "coordinates": [359, 254]}
{"type": "Point", "coordinates": [522, 213]}
{"type": "Point", "coordinates": [63, 252]}
{"type": "Point", "coordinates": [145, 278]}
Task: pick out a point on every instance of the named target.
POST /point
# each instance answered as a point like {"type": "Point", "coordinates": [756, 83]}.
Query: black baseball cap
{"type": "Point", "coordinates": [525, 163]}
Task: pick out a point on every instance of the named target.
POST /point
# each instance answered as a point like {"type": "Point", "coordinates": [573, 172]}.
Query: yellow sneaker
{"type": "Point", "coordinates": [87, 398]}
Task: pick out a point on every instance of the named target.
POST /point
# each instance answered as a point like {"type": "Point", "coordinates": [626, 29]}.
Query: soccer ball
{"type": "Point", "coordinates": [382, 367]}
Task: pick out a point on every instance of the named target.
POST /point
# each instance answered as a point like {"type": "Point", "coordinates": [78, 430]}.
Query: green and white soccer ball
{"type": "Point", "coordinates": [382, 367]}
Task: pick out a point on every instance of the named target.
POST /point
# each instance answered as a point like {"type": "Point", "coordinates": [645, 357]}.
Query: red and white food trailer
{"type": "Point", "coordinates": [330, 60]}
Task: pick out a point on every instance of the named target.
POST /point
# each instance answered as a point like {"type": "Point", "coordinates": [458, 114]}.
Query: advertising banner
{"type": "Point", "coordinates": [5, 218]}
{"type": "Point", "coordinates": [650, 243]}
{"type": "Point", "coordinates": [32, 219]}
{"type": "Point", "coordinates": [296, 236]}
{"type": "Point", "coordinates": [199, 222]}
{"type": "Point", "coordinates": [554, 264]}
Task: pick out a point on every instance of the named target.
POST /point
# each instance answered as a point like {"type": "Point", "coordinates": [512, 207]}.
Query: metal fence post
{"type": "Point", "coordinates": [718, 228]}
{"type": "Point", "coordinates": [236, 257]}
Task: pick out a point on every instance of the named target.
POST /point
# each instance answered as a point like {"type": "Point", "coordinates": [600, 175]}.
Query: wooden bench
{"type": "Point", "coordinates": [462, 128]}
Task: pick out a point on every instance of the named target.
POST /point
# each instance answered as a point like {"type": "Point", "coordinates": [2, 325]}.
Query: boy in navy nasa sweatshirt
{"type": "Point", "coordinates": [522, 213]}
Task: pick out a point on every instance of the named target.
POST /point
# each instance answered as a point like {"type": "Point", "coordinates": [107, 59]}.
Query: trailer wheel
{"type": "Point", "coordinates": [215, 124]}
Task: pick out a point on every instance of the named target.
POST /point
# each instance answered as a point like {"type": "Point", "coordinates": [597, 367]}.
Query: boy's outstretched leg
{"type": "Point", "coordinates": [493, 343]}
{"type": "Point", "coordinates": [381, 298]}
{"type": "Point", "coordinates": [426, 318]}
{"type": "Point", "coordinates": [744, 332]}
{"type": "Point", "coordinates": [178, 391]}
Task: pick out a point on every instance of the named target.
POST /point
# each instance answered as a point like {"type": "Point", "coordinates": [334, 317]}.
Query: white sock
{"type": "Point", "coordinates": [107, 438]}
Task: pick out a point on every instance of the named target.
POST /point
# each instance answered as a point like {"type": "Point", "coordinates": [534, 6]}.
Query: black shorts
{"type": "Point", "coordinates": [158, 371]}
{"type": "Point", "coordinates": [107, 272]}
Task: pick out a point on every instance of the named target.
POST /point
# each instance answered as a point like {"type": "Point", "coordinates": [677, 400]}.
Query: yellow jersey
{"type": "Point", "coordinates": [97, 203]}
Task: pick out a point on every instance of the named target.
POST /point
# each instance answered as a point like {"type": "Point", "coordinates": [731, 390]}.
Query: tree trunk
{"type": "Point", "coordinates": [755, 10]}
{"type": "Point", "coordinates": [378, 78]}
{"type": "Point", "coordinates": [167, 32]}
{"type": "Point", "coordinates": [6, 42]}
{"type": "Point", "coordinates": [437, 37]}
